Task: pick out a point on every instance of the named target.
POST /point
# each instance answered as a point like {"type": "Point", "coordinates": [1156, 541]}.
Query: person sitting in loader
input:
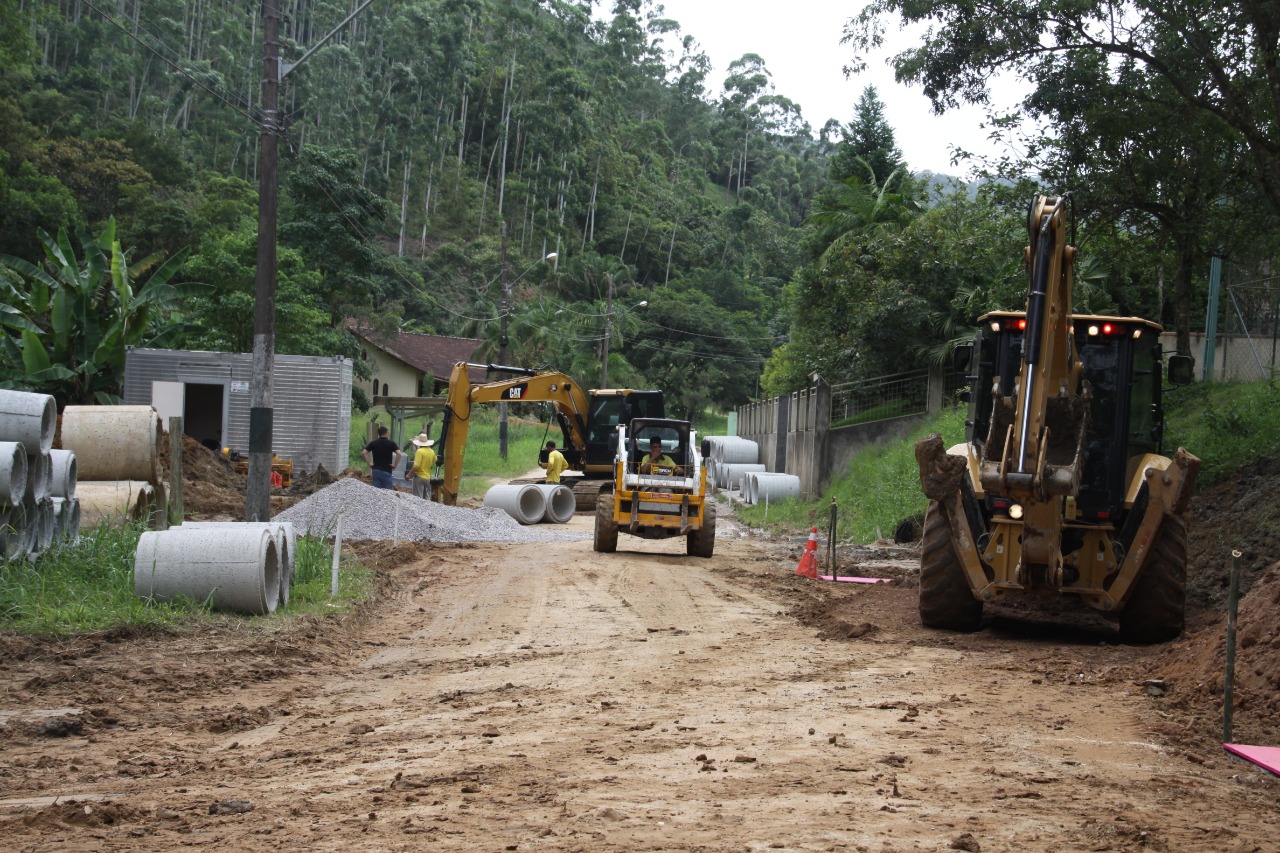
{"type": "Point", "coordinates": [658, 459]}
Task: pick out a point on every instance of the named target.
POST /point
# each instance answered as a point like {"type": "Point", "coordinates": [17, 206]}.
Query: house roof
{"type": "Point", "coordinates": [429, 354]}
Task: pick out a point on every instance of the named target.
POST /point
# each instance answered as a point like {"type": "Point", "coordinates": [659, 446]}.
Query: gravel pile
{"type": "Point", "coordinates": [370, 514]}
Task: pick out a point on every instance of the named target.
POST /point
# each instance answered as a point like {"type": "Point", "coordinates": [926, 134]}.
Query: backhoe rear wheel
{"type": "Point", "coordinates": [945, 599]}
{"type": "Point", "coordinates": [1156, 610]}
{"type": "Point", "coordinates": [606, 538]}
{"type": "Point", "coordinates": [702, 542]}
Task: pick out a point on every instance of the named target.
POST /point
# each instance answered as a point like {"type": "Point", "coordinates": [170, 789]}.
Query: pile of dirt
{"type": "Point", "coordinates": [210, 487]}
{"type": "Point", "coordinates": [1242, 514]}
{"type": "Point", "coordinates": [1195, 667]}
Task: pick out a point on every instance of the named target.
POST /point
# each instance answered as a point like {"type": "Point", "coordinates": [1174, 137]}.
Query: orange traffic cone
{"type": "Point", "coordinates": [808, 566]}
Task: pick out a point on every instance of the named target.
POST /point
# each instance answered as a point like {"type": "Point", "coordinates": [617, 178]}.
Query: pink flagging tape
{"type": "Point", "coordinates": [1266, 757]}
{"type": "Point", "coordinates": [844, 579]}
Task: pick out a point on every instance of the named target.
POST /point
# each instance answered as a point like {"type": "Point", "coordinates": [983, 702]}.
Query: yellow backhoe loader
{"type": "Point", "coordinates": [1061, 488]}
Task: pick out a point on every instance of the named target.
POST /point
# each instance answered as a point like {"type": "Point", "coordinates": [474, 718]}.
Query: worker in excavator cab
{"type": "Point", "coordinates": [658, 461]}
{"type": "Point", "coordinates": [556, 464]}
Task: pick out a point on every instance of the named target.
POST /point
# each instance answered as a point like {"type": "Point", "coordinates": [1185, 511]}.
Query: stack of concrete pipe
{"type": "Point", "coordinates": [764, 487]}
{"type": "Point", "coordinates": [235, 568]}
{"type": "Point", "coordinates": [37, 484]}
{"type": "Point", "coordinates": [532, 503]}
{"type": "Point", "coordinates": [728, 454]}
{"type": "Point", "coordinates": [117, 449]}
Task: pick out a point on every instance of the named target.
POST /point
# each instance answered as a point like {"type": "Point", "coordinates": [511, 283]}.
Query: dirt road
{"type": "Point", "coordinates": [535, 697]}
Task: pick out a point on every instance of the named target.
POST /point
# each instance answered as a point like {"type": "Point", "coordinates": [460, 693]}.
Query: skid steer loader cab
{"type": "Point", "coordinates": [1061, 488]}
{"type": "Point", "coordinates": [657, 501]}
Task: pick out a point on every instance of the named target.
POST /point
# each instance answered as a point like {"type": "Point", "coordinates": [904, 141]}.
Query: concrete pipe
{"type": "Point", "coordinates": [735, 451]}
{"type": "Point", "coordinates": [729, 475]}
{"type": "Point", "coordinates": [13, 472]}
{"type": "Point", "coordinates": [235, 570]}
{"type": "Point", "coordinates": [115, 501]}
{"type": "Point", "coordinates": [286, 536]}
{"type": "Point", "coordinates": [39, 477]}
{"type": "Point", "coordinates": [113, 442]}
{"type": "Point", "coordinates": [526, 504]}
{"type": "Point", "coordinates": [560, 501]}
{"type": "Point", "coordinates": [13, 532]}
{"type": "Point", "coordinates": [29, 419]}
{"type": "Point", "coordinates": [63, 468]}
{"type": "Point", "coordinates": [66, 513]}
{"type": "Point", "coordinates": [776, 487]}
{"type": "Point", "coordinates": [711, 472]}
{"type": "Point", "coordinates": [45, 524]}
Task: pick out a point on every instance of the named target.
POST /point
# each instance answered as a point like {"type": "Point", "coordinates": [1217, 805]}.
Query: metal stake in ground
{"type": "Point", "coordinates": [831, 540]}
{"type": "Point", "coordinates": [1233, 596]}
{"type": "Point", "coordinates": [175, 470]}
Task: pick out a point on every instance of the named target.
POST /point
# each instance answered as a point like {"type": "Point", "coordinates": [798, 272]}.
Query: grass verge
{"type": "Point", "coordinates": [87, 585]}
{"type": "Point", "coordinates": [1226, 424]}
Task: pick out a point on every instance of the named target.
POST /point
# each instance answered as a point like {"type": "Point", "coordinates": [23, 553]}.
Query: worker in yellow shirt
{"type": "Point", "coordinates": [424, 462]}
{"type": "Point", "coordinates": [555, 463]}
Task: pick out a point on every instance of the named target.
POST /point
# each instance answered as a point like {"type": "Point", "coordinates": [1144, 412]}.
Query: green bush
{"type": "Point", "coordinates": [1226, 424]}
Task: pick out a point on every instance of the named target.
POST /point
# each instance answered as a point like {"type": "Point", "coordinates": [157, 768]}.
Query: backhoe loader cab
{"type": "Point", "coordinates": [658, 501]}
{"type": "Point", "coordinates": [1061, 488]}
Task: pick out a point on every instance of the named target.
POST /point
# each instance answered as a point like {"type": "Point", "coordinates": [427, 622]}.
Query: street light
{"type": "Point", "coordinates": [608, 333]}
{"type": "Point", "coordinates": [505, 311]}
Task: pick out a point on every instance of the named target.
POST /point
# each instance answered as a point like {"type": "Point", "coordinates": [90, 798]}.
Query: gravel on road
{"type": "Point", "coordinates": [383, 515]}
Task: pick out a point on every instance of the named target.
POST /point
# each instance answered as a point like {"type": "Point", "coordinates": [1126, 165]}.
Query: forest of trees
{"type": "Point", "coordinates": [763, 247]}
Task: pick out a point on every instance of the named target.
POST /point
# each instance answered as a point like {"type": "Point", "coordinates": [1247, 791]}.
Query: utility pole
{"type": "Point", "coordinates": [257, 504]}
{"type": "Point", "coordinates": [608, 332]}
{"type": "Point", "coordinates": [502, 342]}
{"type": "Point", "coordinates": [257, 499]}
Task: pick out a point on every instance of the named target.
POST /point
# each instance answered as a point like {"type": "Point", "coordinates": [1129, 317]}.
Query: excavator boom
{"type": "Point", "coordinates": [529, 386]}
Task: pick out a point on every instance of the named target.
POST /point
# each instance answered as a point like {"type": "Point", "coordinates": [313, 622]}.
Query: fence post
{"type": "Point", "coordinates": [175, 470]}
{"type": "Point", "coordinates": [1211, 317]}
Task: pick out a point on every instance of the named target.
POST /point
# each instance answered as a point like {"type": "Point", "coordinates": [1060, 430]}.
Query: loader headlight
{"type": "Point", "coordinates": [1015, 511]}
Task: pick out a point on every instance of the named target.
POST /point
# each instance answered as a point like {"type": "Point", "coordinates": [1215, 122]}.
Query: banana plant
{"type": "Point", "coordinates": [65, 331]}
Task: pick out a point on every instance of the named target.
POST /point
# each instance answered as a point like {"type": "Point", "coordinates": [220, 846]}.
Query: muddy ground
{"type": "Point", "coordinates": [535, 697]}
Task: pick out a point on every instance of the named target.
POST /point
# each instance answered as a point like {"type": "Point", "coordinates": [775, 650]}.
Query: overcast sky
{"type": "Point", "coordinates": [799, 41]}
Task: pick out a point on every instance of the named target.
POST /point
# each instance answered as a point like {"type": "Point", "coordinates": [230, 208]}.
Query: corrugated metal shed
{"type": "Point", "coordinates": [312, 400]}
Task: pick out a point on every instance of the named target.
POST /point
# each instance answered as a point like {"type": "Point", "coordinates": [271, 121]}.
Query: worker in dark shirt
{"type": "Point", "coordinates": [382, 455]}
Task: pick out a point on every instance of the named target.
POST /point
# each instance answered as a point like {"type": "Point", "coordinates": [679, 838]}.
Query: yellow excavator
{"type": "Point", "coordinates": [1061, 488]}
{"type": "Point", "coordinates": [588, 421]}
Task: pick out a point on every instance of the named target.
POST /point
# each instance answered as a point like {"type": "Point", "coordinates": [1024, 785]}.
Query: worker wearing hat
{"type": "Point", "coordinates": [424, 462]}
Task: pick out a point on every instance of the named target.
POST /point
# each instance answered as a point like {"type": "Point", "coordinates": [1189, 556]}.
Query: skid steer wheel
{"type": "Point", "coordinates": [606, 539]}
{"type": "Point", "coordinates": [945, 599]}
{"type": "Point", "coordinates": [1156, 610]}
{"type": "Point", "coordinates": [702, 542]}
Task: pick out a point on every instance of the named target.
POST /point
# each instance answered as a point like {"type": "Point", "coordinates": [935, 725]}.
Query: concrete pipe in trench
{"type": "Point", "coordinates": [113, 442]}
{"type": "Point", "coordinates": [115, 501]}
{"type": "Point", "coordinates": [286, 545]}
{"type": "Point", "coordinates": [526, 504]}
{"type": "Point", "coordinates": [13, 472]}
{"type": "Point", "coordinates": [29, 419]}
{"type": "Point", "coordinates": [560, 501]}
{"type": "Point", "coordinates": [64, 470]}
{"type": "Point", "coordinates": [232, 569]}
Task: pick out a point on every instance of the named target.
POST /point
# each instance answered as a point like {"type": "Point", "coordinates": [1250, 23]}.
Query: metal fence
{"type": "Point", "coordinates": [1248, 346]}
{"type": "Point", "coordinates": [881, 398]}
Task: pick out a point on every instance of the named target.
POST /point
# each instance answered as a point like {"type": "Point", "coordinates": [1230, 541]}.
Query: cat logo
{"type": "Point", "coordinates": [515, 392]}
